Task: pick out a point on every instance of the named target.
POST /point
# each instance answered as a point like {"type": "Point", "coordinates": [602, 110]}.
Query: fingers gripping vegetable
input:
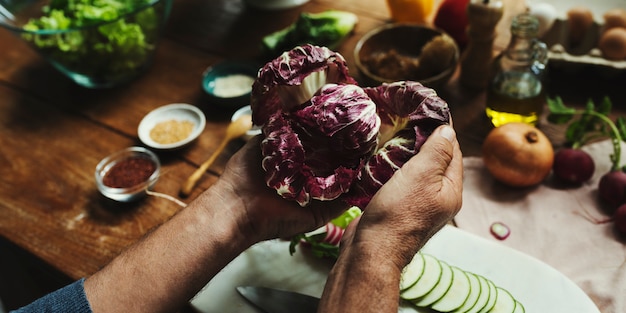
{"type": "Point", "coordinates": [326, 137]}
{"type": "Point", "coordinates": [409, 113]}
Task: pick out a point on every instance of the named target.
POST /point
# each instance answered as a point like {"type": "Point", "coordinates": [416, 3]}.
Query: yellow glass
{"type": "Point", "coordinates": [410, 11]}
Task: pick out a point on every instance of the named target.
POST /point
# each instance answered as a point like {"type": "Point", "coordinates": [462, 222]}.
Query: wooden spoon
{"type": "Point", "coordinates": [236, 129]}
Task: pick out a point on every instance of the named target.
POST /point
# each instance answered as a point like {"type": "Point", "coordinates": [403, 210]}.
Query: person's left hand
{"type": "Point", "coordinates": [267, 214]}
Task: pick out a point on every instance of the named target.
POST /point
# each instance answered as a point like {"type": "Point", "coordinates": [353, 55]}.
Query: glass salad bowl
{"type": "Point", "coordinates": [96, 45]}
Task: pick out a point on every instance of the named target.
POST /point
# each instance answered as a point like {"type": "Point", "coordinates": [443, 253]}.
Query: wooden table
{"type": "Point", "coordinates": [53, 133]}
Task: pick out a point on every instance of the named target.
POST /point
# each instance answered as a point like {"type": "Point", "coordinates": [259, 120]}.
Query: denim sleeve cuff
{"type": "Point", "coordinates": [70, 298]}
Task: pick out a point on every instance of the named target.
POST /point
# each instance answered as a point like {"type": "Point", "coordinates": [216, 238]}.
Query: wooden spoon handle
{"type": "Point", "coordinates": [193, 179]}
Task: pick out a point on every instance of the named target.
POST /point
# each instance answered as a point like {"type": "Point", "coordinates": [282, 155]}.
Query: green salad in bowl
{"type": "Point", "coordinates": [97, 43]}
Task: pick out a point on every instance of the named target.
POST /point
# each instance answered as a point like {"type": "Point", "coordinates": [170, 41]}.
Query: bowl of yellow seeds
{"type": "Point", "coordinates": [171, 126]}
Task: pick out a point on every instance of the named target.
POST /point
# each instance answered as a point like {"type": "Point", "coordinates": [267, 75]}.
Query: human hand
{"type": "Point", "coordinates": [419, 199]}
{"type": "Point", "coordinates": [266, 214]}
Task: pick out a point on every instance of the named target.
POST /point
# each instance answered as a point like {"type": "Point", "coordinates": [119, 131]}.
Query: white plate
{"type": "Point", "coordinates": [256, 130]}
{"type": "Point", "coordinates": [538, 286]}
{"type": "Point", "coordinates": [174, 111]}
{"type": "Point", "coordinates": [275, 4]}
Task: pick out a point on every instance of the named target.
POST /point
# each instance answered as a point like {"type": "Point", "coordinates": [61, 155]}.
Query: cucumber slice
{"type": "Point", "coordinates": [440, 289]}
{"type": "Point", "coordinates": [426, 282]}
{"type": "Point", "coordinates": [493, 297]}
{"type": "Point", "coordinates": [475, 291]}
{"type": "Point", "coordinates": [483, 297]}
{"type": "Point", "coordinates": [456, 295]}
{"type": "Point", "coordinates": [519, 308]}
{"type": "Point", "coordinates": [505, 303]}
{"type": "Point", "coordinates": [412, 272]}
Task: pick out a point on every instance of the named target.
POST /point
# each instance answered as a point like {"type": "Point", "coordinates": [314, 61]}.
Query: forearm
{"type": "Point", "coordinates": [192, 247]}
{"type": "Point", "coordinates": [362, 280]}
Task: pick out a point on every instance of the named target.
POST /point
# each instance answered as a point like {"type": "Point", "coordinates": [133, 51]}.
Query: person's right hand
{"type": "Point", "coordinates": [418, 200]}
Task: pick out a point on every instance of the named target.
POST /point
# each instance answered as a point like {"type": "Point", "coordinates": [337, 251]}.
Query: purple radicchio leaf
{"type": "Point", "coordinates": [293, 78]}
{"type": "Point", "coordinates": [316, 150]}
{"type": "Point", "coordinates": [409, 113]}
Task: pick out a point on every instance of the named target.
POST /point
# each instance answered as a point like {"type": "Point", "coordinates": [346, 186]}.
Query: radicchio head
{"type": "Point", "coordinates": [326, 137]}
{"type": "Point", "coordinates": [316, 150]}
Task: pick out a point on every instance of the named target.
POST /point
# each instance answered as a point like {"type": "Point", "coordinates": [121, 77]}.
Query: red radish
{"type": "Point", "coordinates": [500, 230]}
{"type": "Point", "coordinates": [620, 219]}
{"type": "Point", "coordinates": [333, 234]}
{"type": "Point", "coordinates": [612, 189]}
{"type": "Point", "coordinates": [573, 166]}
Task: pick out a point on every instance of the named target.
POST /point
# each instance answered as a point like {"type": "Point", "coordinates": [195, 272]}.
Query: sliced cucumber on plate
{"type": "Point", "coordinates": [457, 294]}
{"type": "Point", "coordinates": [475, 289]}
{"type": "Point", "coordinates": [504, 302]}
{"type": "Point", "coordinates": [483, 297]}
{"type": "Point", "coordinates": [440, 289]}
{"type": "Point", "coordinates": [412, 272]}
{"type": "Point", "coordinates": [428, 282]}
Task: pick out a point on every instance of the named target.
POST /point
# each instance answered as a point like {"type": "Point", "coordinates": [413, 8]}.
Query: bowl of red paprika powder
{"type": "Point", "coordinates": [127, 174]}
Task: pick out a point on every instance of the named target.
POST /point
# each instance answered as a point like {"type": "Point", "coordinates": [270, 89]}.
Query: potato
{"type": "Point", "coordinates": [613, 44]}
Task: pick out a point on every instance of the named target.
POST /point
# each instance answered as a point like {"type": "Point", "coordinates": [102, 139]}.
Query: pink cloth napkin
{"type": "Point", "coordinates": [547, 223]}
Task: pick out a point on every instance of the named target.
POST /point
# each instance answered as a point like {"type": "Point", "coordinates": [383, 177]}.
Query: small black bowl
{"type": "Point", "coordinates": [229, 83]}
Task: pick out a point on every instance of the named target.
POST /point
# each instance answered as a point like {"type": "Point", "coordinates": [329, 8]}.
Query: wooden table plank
{"type": "Point", "coordinates": [61, 216]}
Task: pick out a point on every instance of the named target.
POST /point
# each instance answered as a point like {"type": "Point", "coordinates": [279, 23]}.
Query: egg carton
{"type": "Point", "coordinates": [567, 55]}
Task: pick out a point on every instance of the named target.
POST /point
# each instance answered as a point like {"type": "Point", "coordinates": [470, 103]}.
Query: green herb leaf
{"type": "Point", "coordinates": [605, 106]}
{"type": "Point", "coordinates": [620, 123]}
{"type": "Point", "coordinates": [589, 124]}
{"type": "Point", "coordinates": [319, 248]}
{"type": "Point", "coordinates": [559, 113]}
{"type": "Point", "coordinates": [346, 217]}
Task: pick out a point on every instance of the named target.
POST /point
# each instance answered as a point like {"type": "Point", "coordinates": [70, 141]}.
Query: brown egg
{"type": "Point", "coordinates": [614, 18]}
{"type": "Point", "coordinates": [579, 21]}
{"type": "Point", "coordinates": [613, 44]}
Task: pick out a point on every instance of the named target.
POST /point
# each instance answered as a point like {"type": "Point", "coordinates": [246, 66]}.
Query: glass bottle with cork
{"type": "Point", "coordinates": [516, 91]}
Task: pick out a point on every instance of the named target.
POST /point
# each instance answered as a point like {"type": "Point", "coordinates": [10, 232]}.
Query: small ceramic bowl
{"type": "Point", "coordinates": [406, 40]}
{"type": "Point", "coordinates": [125, 175]}
{"type": "Point", "coordinates": [255, 130]}
{"type": "Point", "coordinates": [171, 126]}
{"type": "Point", "coordinates": [229, 83]}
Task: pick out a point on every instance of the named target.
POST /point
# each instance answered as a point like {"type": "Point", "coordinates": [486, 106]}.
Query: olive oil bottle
{"type": "Point", "coordinates": [516, 91]}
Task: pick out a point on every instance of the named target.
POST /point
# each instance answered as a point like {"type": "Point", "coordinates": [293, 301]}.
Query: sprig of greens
{"type": "Point", "coordinates": [319, 247]}
{"type": "Point", "coordinates": [589, 124]}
